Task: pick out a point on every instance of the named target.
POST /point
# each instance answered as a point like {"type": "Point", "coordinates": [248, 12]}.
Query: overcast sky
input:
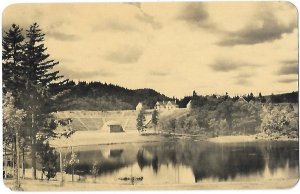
{"type": "Point", "coordinates": [174, 48]}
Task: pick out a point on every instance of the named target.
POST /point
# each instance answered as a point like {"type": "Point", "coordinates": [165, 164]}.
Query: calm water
{"type": "Point", "coordinates": [185, 162]}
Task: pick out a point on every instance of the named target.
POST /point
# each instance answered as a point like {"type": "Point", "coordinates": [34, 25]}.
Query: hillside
{"type": "Point", "coordinates": [291, 97]}
{"type": "Point", "coordinates": [97, 96]}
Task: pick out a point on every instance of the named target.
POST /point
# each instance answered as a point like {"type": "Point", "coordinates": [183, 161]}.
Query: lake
{"type": "Point", "coordinates": [185, 162]}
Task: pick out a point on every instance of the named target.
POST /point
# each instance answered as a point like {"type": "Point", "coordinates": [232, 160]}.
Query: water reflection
{"type": "Point", "coordinates": [203, 161]}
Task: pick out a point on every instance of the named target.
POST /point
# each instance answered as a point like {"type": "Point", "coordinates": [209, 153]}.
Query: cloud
{"type": "Point", "coordinates": [288, 80]}
{"type": "Point", "coordinates": [195, 13]}
{"type": "Point", "coordinates": [290, 62]}
{"type": "Point", "coordinates": [158, 73]}
{"type": "Point", "coordinates": [243, 82]}
{"type": "Point", "coordinates": [72, 74]}
{"type": "Point", "coordinates": [243, 78]}
{"type": "Point", "coordinates": [124, 55]}
{"type": "Point", "coordinates": [148, 19]}
{"type": "Point", "coordinates": [264, 28]}
{"type": "Point", "coordinates": [225, 65]}
{"type": "Point", "coordinates": [145, 17]}
{"type": "Point", "coordinates": [114, 25]}
{"type": "Point", "coordinates": [135, 4]}
{"type": "Point", "coordinates": [61, 36]}
{"type": "Point", "coordinates": [288, 70]}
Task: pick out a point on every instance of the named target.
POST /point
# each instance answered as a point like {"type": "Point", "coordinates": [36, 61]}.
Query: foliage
{"type": "Point", "coordinates": [280, 119]}
{"type": "Point", "coordinates": [13, 119]}
{"type": "Point", "coordinates": [216, 116]}
{"type": "Point", "coordinates": [29, 76]}
{"type": "Point", "coordinates": [140, 121]}
{"type": "Point", "coordinates": [281, 98]}
{"type": "Point", "coordinates": [103, 97]}
{"type": "Point", "coordinates": [12, 59]}
{"type": "Point", "coordinates": [48, 158]}
{"type": "Point", "coordinates": [154, 118]}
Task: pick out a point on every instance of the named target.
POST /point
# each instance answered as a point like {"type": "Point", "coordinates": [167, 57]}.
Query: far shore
{"type": "Point", "coordinates": [248, 138]}
{"type": "Point", "coordinates": [82, 138]}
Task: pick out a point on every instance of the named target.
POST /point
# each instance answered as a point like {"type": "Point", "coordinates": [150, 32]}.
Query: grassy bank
{"type": "Point", "coordinates": [101, 137]}
{"type": "Point", "coordinates": [249, 138]}
{"type": "Point", "coordinates": [98, 137]}
{"type": "Point", "coordinates": [37, 185]}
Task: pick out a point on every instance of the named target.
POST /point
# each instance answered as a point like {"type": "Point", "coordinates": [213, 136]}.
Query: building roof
{"type": "Point", "coordinates": [108, 123]}
{"type": "Point", "coordinates": [172, 102]}
{"type": "Point", "coordinates": [242, 99]}
{"type": "Point", "coordinates": [139, 104]}
{"type": "Point", "coordinates": [161, 103]}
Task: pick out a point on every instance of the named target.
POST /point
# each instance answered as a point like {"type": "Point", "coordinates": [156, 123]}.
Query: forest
{"type": "Point", "coordinates": [97, 96]}
{"type": "Point", "coordinates": [224, 115]}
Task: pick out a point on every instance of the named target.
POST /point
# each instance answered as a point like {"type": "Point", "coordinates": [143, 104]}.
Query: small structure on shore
{"type": "Point", "coordinates": [113, 127]}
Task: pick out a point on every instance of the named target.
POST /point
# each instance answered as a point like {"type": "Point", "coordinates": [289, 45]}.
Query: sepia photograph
{"type": "Point", "coordinates": [150, 96]}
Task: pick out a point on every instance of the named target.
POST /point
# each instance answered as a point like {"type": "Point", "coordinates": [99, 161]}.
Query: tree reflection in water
{"type": "Point", "coordinates": [206, 160]}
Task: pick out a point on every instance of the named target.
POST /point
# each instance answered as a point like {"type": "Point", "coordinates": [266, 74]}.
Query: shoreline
{"type": "Point", "coordinates": [38, 185]}
{"type": "Point", "coordinates": [86, 138]}
{"type": "Point", "coordinates": [248, 138]}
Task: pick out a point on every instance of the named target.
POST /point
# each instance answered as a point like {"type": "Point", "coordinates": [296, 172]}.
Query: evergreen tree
{"type": "Point", "coordinates": [12, 59]}
{"type": "Point", "coordinates": [140, 121]}
{"type": "Point", "coordinates": [154, 119]}
{"type": "Point", "coordinates": [194, 93]}
{"type": "Point", "coordinates": [42, 89]}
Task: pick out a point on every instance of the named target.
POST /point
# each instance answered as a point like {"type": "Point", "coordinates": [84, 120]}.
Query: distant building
{"type": "Point", "coordinates": [139, 106]}
{"type": "Point", "coordinates": [113, 127]}
{"type": "Point", "coordinates": [242, 100]}
{"type": "Point", "coordinates": [163, 105]}
{"type": "Point", "coordinates": [189, 105]}
{"type": "Point", "coordinates": [171, 105]}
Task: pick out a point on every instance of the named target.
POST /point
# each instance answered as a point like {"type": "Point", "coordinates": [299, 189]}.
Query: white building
{"type": "Point", "coordinates": [189, 105]}
{"type": "Point", "coordinates": [139, 106]}
{"type": "Point", "coordinates": [162, 105]}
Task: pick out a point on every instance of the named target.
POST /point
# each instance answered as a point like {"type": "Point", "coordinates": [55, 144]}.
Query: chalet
{"type": "Point", "coordinates": [171, 105]}
{"type": "Point", "coordinates": [163, 105]}
{"type": "Point", "coordinates": [113, 127]}
{"type": "Point", "coordinates": [242, 100]}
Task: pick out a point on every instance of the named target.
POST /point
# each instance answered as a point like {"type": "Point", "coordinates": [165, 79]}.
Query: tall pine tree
{"type": "Point", "coordinates": [12, 60]}
{"type": "Point", "coordinates": [42, 88]}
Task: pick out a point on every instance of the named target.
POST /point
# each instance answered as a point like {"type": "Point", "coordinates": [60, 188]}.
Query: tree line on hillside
{"type": "Point", "coordinates": [224, 115]}
{"type": "Point", "coordinates": [99, 96]}
{"type": "Point", "coordinates": [103, 97]}
{"type": "Point", "coordinates": [198, 100]}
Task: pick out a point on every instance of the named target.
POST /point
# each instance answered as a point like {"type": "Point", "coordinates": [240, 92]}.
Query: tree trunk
{"type": "Point", "coordinates": [23, 163]}
{"type": "Point", "coordinates": [13, 157]}
{"type": "Point", "coordinates": [33, 158]}
{"type": "Point", "coordinates": [72, 165]}
{"type": "Point", "coordinates": [33, 147]}
{"type": "Point", "coordinates": [61, 168]}
{"type": "Point", "coordinates": [72, 173]}
{"type": "Point", "coordinates": [17, 168]}
{"type": "Point", "coordinates": [5, 163]}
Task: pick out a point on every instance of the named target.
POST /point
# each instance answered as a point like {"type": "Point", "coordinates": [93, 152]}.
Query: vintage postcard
{"type": "Point", "coordinates": [150, 96]}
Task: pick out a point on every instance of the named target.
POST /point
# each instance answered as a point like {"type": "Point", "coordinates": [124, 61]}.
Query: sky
{"type": "Point", "coordinates": [174, 48]}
